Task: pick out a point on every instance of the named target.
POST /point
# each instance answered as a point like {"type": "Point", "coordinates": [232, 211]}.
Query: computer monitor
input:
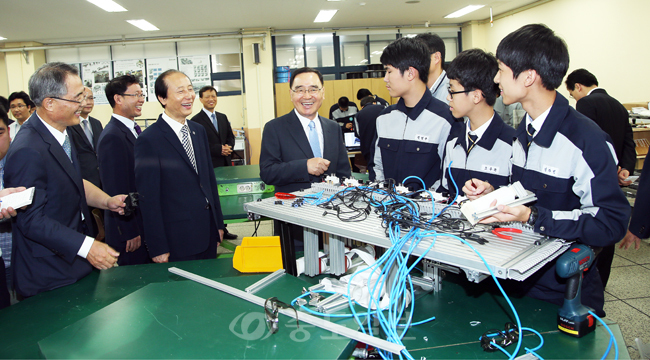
{"type": "Point", "coordinates": [352, 143]}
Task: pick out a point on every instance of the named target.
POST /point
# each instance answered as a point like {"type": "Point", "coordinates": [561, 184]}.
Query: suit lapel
{"type": "Point", "coordinates": [97, 130]}
{"type": "Point", "coordinates": [294, 127]}
{"type": "Point", "coordinates": [171, 137]}
{"type": "Point", "coordinates": [59, 154]}
{"type": "Point", "coordinates": [329, 137]}
{"type": "Point", "coordinates": [209, 120]}
{"type": "Point", "coordinates": [79, 130]}
{"type": "Point", "coordinates": [127, 132]}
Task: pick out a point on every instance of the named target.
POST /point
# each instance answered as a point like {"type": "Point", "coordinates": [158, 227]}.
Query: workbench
{"type": "Point", "coordinates": [111, 314]}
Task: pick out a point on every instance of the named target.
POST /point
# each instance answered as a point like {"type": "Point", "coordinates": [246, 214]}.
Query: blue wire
{"type": "Point", "coordinates": [611, 337]}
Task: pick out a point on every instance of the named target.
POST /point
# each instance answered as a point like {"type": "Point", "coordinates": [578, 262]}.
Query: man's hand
{"type": "Point", "coordinates": [317, 166]}
{"type": "Point", "coordinates": [628, 240]}
{"type": "Point", "coordinates": [220, 236]}
{"type": "Point", "coordinates": [9, 212]}
{"type": "Point", "coordinates": [622, 175]}
{"type": "Point", "coordinates": [517, 213]}
{"type": "Point", "coordinates": [475, 188]}
{"type": "Point", "coordinates": [226, 150]}
{"type": "Point", "coordinates": [133, 244]}
{"type": "Point", "coordinates": [161, 258]}
{"type": "Point", "coordinates": [102, 256]}
{"type": "Point", "coordinates": [116, 204]}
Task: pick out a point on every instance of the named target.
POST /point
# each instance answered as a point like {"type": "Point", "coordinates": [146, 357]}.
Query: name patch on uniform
{"type": "Point", "coordinates": [549, 170]}
{"type": "Point", "coordinates": [423, 138]}
{"type": "Point", "coordinates": [490, 169]}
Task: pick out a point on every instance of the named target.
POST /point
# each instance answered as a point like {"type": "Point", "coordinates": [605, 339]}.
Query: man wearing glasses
{"type": "Point", "coordinates": [117, 167]}
{"type": "Point", "coordinates": [21, 108]}
{"type": "Point", "coordinates": [481, 147]}
{"type": "Point", "coordinates": [51, 236]}
{"type": "Point", "coordinates": [85, 137]}
{"type": "Point", "coordinates": [301, 146]}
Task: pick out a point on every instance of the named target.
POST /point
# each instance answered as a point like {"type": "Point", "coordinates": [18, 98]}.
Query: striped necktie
{"type": "Point", "coordinates": [187, 145]}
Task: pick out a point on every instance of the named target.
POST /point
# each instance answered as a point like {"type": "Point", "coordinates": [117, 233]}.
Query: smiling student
{"type": "Point", "coordinates": [482, 145]}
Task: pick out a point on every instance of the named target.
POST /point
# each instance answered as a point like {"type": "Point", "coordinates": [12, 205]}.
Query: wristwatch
{"type": "Point", "coordinates": [533, 216]}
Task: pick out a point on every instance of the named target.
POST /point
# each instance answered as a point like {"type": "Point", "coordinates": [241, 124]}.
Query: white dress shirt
{"type": "Point", "coordinates": [319, 129]}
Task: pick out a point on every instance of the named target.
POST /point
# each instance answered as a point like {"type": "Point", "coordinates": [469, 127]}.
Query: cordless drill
{"type": "Point", "coordinates": [573, 318]}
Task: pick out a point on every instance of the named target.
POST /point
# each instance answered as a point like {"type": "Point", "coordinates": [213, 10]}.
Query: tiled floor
{"type": "Point", "coordinates": [627, 296]}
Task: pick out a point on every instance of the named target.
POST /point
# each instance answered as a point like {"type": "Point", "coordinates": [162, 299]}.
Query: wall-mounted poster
{"type": "Point", "coordinates": [198, 70]}
{"type": "Point", "coordinates": [156, 67]}
{"type": "Point", "coordinates": [96, 75]}
{"type": "Point", "coordinates": [131, 67]}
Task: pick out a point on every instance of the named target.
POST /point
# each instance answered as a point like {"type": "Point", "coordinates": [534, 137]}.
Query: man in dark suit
{"type": "Point", "coordinates": [217, 127]}
{"type": "Point", "coordinates": [301, 146]}
{"type": "Point", "coordinates": [609, 114]}
{"type": "Point", "coordinates": [51, 237]}
{"type": "Point", "coordinates": [173, 173]}
{"type": "Point", "coordinates": [640, 222]}
{"type": "Point", "coordinates": [117, 167]}
{"type": "Point", "coordinates": [85, 136]}
{"type": "Point", "coordinates": [220, 136]}
{"type": "Point", "coordinates": [613, 118]}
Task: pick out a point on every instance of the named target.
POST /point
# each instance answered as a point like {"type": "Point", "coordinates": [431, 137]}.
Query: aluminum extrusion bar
{"type": "Point", "coordinates": [264, 281]}
{"type": "Point", "coordinates": [309, 319]}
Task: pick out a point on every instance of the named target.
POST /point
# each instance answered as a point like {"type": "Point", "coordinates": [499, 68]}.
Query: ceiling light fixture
{"type": "Point", "coordinates": [143, 25]}
{"type": "Point", "coordinates": [464, 11]}
{"type": "Point", "coordinates": [3, 38]}
{"type": "Point", "coordinates": [108, 5]}
{"type": "Point", "coordinates": [325, 15]}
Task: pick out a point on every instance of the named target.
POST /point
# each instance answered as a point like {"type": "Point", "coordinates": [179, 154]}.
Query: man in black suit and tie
{"type": "Point", "coordinates": [217, 127]}
{"type": "Point", "coordinates": [85, 136]}
{"type": "Point", "coordinates": [51, 236]}
{"type": "Point", "coordinates": [173, 173]}
{"type": "Point", "coordinates": [301, 146]}
{"type": "Point", "coordinates": [117, 167]}
{"type": "Point", "coordinates": [220, 136]}
{"type": "Point", "coordinates": [613, 118]}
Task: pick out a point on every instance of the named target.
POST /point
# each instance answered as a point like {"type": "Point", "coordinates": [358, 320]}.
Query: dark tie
{"type": "Point", "coordinates": [530, 131]}
{"type": "Point", "coordinates": [471, 141]}
{"type": "Point", "coordinates": [214, 121]}
{"type": "Point", "coordinates": [137, 128]}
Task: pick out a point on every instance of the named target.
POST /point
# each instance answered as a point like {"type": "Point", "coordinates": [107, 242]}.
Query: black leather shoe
{"type": "Point", "coordinates": [229, 236]}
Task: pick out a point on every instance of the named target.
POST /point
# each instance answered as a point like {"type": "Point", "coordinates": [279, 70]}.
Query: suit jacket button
{"type": "Point", "coordinates": [544, 186]}
{"type": "Point", "coordinates": [418, 149]}
{"type": "Point", "coordinates": [207, 207]}
{"type": "Point", "coordinates": [642, 229]}
{"type": "Point", "coordinates": [388, 145]}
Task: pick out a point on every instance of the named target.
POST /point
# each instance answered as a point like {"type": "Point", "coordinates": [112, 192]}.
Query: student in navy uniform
{"type": "Point", "coordinates": [481, 146]}
{"type": "Point", "coordinates": [412, 133]}
{"type": "Point", "coordinates": [570, 163]}
{"type": "Point", "coordinates": [362, 93]}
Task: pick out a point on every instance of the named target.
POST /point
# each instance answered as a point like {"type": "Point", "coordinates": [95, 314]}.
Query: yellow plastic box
{"type": "Point", "coordinates": [258, 254]}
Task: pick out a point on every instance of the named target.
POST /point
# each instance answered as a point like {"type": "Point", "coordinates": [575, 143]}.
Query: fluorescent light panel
{"type": "Point", "coordinates": [108, 5]}
{"type": "Point", "coordinates": [143, 24]}
{"type": "Point", "coordinates": [464, 11]}
{"type": "Point", "coordinates": [325, 15]}
{"type": "Point", "coordinates": [3, 38]}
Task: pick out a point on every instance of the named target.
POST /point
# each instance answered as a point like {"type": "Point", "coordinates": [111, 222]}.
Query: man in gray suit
{"type": "Point", "coordinates": [301, 146]}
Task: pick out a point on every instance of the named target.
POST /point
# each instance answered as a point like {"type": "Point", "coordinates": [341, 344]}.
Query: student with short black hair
{"type": "Point", "coordinates": [363, 93]}
{"type": "Point", "coordinates": [560, 155]}
{"type": "Point", "coordinates": [438, 79]}
{"type": "Point", "coordinates": [481, 146]}
{"type": "Point", "coordinates": [410, 134]}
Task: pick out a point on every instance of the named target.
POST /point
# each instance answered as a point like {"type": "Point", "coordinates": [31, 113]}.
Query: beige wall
{"type": "Point", "coordinates": [606, 37]}
{"type": "Point", "coordinates": [258, 99]}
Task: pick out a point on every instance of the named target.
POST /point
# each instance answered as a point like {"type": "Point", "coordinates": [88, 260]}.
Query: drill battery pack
{"type": "Point", "coordinates": [577, 326]}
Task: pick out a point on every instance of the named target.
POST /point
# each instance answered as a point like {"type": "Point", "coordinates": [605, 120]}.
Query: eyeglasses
{"type": "Point", "coordinates": [452, 93]}
{"type": "Point", "coordinates": [302, 91]}
{"type": "Point", "coordinates": [83, 98]}
{"type": "Point", "coordinates": [271, 308]}
{"type": "Point", "coordinates": [20, 106]}
{"type": "Point", "coordinates": [139, 95]}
